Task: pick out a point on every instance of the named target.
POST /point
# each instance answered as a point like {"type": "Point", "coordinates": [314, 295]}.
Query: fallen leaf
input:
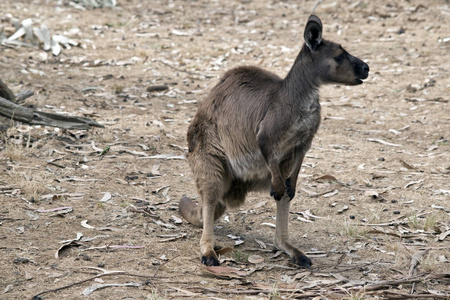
{"type": "Point", "coordinates": [90, 289]}
{"type": "Point", "coordinates": [54, 209]}
{"type": "Point", "coordinates": [261, 244]}
{"type": "Point", "coordinates": [326, 178]}
{"type": "Point", "coordinates": [165, 156]}
{"type": "Point", "coordinates": [167, 225]}
{"type": "Point", "coordinates": [443, 235]}
{"type": "Point", "coordinates": [406, 165]}
{"type": "Point", "coordinates": [304, 220]}
{"type": "Point", "coordinates": [255, 259]}
{"type": "Point", "coordinates": [96, 148]}
{"type": "Point", "coordinates": [301, 275]}
{"type": "Point", "coordinates": [383, 142]}
{"type": "Point", "coordinates": [331, 194]}
{"type": "Point", "coordinates": [309, 214]}
{"type": "Point", "coordinates": [106, 197]}
{"type": "Point", "coordinates": [69, 243]}
{"type": "Point", "coordinates": [8, 288]}
{"type": "Point", "coordinates": [344, 208]}
{"type": "Point", "coordinates": [125, 247]}
{"type": "Point", "coordinates": [439, 207]}
{"type": "Point", "coordinates": [171, 237]}
{"type": "Point", "coordinates": [186, 293]}
{"type": "Point", "coordinates": [176, 220]}
{"type": "Point", "coordinates": [412, 183]}
{"type": "Point", "coordinates": [86, 225]}
{"type": "Point", "coordinates": [227, 272]}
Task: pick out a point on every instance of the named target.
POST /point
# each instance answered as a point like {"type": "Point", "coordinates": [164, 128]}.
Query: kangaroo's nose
{"type": "Point", "coordinates": [366, 67]}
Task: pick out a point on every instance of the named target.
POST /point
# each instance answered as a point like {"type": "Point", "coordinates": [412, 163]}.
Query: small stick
{"type": "Point", "coordinates": [317, 4]}
{"type": "Point", "coordinates": [36, 297]}
{"type": "Point", "coordinates": [184, 71]}
{"type": "Point", "coordinates": [110, 273]}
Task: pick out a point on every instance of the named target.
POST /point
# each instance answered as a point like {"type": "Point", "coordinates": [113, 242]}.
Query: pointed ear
{"type": "Point", "coordinates": [313, 33]}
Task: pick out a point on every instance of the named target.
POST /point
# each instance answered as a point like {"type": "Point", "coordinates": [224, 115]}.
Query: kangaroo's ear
{"type": "Point", "coordinates": [313, 33]}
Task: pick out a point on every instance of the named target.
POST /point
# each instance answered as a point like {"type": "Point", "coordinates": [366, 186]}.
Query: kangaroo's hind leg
{"type": "Point", "coordinates": [212, 209]}
{"type": "Point", "coordinates": [211, 181]}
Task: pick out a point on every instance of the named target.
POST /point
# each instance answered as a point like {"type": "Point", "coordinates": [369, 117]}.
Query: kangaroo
{"type": "Point", "coordinates": [252, 132]}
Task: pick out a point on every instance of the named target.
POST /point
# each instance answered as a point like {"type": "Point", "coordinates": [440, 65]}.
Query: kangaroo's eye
{"type": "Point", "coordinates": [339, 59]}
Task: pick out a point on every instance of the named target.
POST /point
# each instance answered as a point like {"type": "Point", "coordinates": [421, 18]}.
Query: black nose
{"type": "Point", "coordinates": [364, 73]}
{"type": "Point", "coordinates": [366, 68]}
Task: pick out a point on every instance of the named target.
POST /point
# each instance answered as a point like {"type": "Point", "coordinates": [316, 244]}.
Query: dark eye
{"type": "Point", "coordinates": [339, 59]}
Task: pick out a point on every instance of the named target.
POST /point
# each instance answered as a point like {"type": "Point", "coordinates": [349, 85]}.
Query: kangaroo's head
{"type": "Point", "coordinates": [334, 64]}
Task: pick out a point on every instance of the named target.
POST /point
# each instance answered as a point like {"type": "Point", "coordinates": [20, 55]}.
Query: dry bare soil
{"type": "Point", "coordinates": [377, 174]}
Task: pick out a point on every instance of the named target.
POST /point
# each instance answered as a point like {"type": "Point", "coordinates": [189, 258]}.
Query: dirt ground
{"type": "Point", "coordinates": [373, 203]}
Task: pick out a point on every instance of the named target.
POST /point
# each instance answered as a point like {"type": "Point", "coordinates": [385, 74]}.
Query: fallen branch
{"type": "Point", "coordinates": [5, 92]}
{"type": "Point", "coordinates": [16, 112]}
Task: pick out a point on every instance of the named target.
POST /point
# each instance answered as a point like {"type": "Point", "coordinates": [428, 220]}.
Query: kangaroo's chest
{"type": "Point", "coordinates": [301, 132]}
{"type": "Point", "coordinates": [251, 165]}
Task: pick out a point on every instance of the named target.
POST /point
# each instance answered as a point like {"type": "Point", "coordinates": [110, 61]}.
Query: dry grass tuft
{"type": "Point", "coordinates": [354, 231]}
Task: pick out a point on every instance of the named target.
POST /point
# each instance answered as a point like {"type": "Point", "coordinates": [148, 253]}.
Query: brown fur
{"type": "Point", "coordinates": [253, 130]}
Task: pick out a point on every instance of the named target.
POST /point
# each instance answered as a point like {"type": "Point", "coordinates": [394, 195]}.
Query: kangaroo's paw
{"type": "Point", "coordinates": [210, 260]}
{"type": "Point", "coordinates": [302, 261]}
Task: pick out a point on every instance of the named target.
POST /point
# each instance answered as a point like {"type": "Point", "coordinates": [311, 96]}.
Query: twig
{"type": "Point", "coordinates": [370, 289]}
{"type": "Point", "coordinates": [153, 215]}
{"type": "Point", "coordinates": [397, 295]}
{"type": "Point", "coordinates": [184, 71]}
{"type": "Point", "coordinates": [36, 297]}
{"type": "Point", "coordinates": [315, 6]}
{"type": "Point", "coordinates": [415, 261]}
{"type": "Point", "coordinates": [349, 269]}
{"type": "Point", "coordinates": [164, 263]}
{"type": "Point", "coordinates": [109, 273]}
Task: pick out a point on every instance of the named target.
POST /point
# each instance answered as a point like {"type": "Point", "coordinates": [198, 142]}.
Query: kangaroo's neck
{"type": "Point", "coordinates": [302, 82]}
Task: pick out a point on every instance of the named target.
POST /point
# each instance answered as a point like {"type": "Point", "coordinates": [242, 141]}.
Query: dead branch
{"type": "Point", "coordinates": [31, 116]}
{"type": "Point", "coordinates": [11, 110]}
{"type": "Point", "coordinates": [20, 97]}
{"type": "Point", "coordinates": [5, 92]}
